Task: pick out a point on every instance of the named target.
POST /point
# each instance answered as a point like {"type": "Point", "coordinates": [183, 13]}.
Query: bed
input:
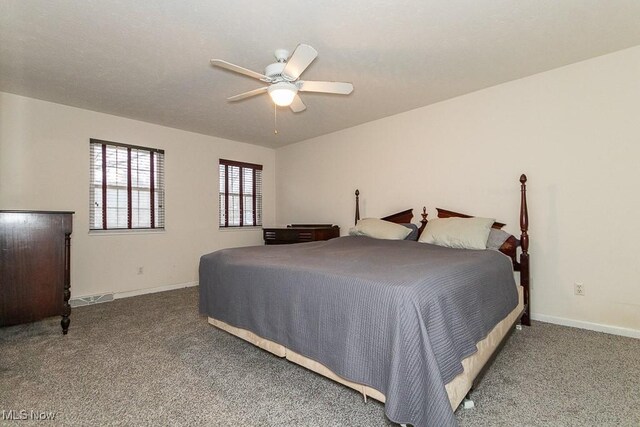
{"type": "Point", "coordinates": [409, 324]}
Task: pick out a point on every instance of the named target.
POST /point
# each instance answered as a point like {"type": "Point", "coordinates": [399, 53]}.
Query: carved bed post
{"type": "Point", "coordinates": [423, 221]}
{"type": "Point", "coordinates": [524, 243]}
{"type": "Point", "coordinates": [357, 206]}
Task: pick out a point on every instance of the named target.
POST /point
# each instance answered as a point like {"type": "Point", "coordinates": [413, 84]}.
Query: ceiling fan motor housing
{"type": "Point", "coordinates": [274, 70]}
{"type": "Point", "coordinates": [281, 55]}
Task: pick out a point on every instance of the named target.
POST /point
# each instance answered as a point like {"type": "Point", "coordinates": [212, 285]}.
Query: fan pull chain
{"type": "Point", "coordinates": [275, 119]}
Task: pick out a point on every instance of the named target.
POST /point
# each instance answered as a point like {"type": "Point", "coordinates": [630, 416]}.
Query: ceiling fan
{"type": "Point", "coordinates": [284, 81]}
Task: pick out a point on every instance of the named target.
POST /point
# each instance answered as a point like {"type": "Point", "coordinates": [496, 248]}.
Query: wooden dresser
{"type": "Point", "coordinates": [35, 266]}
{"type": "Point", "coordinates": [299, 233]}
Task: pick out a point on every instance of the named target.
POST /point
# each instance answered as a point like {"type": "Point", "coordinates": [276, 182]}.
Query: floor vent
{"type": "Point", "coordinates": [93, 299]}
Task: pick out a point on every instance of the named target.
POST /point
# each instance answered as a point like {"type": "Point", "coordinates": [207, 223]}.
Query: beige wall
{"type": "Point", "coordinates": [575, 131]}
{"type": "Point", "coordinates": [44, 164]}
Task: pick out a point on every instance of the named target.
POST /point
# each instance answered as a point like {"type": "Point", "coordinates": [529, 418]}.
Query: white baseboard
{"type": "Point", "coordinates": [615, 330]}
{"type": "Point", "coordinates": [78, 301]}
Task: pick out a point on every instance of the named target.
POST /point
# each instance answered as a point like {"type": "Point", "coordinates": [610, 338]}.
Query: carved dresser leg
{"type": "Point", "coordinates": [66, 308]}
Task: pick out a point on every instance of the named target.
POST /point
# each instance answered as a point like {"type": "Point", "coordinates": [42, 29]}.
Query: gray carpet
{"type": "Point", "coordinates": [152, 360]}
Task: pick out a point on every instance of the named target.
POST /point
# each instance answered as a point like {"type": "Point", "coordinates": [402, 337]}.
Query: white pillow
{"type": "Point", "coordinates": [379, 229]}
{"type": "Point", "coordinates": [465, 233]}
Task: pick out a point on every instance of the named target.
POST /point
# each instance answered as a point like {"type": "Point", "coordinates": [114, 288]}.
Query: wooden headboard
{"type": "Point", "coordinates": [509, 247]}
{"type": "Point", "coordinates": [403, 217]}
{"type": "Point", "coordinates": [444, 213]}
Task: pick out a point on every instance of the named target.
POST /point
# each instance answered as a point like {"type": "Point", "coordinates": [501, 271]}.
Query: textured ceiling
{"type": "Point", "coordinates": [149, 60]}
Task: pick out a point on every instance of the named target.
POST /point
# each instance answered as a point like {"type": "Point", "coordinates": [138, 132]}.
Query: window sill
{"type": "Point", "coordinates": [252, 228]}
{"type": "Point", "coordinates": [125, 232]}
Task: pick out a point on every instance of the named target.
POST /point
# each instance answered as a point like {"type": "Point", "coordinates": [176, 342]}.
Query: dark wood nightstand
{"type": "Point", "coordinates": [299, 233]}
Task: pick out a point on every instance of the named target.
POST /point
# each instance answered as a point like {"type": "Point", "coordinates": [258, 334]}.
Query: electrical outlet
{"type": "Point", "coordinates": [578, 288]}
{"type": "Point", "coordinates": [140, 270]}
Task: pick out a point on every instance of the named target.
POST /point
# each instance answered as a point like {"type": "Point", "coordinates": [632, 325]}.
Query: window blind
{"type": "Point", "coordinates": [240, 194]}
{"type": "Point", "coordinates": [126, 187]}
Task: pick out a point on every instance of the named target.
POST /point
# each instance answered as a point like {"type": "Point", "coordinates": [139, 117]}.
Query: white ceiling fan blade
{"type": "Point", "coordinates": [248, 94]}
{"type": "Point", "coordinates": [340, 88]}
{"type": "Point", "coordinates": [299, 61]}
{"type": "Point", "coordinates": [297, 105]}
{"type": "Point", "coordinates": [238, 69]}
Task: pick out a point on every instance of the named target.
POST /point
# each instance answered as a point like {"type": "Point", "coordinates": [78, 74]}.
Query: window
{"type": "Point", "coordinates": [127, 187]}
{"type": "Point", "coordinates": [240, 194]}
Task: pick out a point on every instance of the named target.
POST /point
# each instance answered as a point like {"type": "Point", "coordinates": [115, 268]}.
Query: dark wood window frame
{"type": "Point", "coordinates": [155, 189]}
{"type": "Point", "coordinates": [255, 196]}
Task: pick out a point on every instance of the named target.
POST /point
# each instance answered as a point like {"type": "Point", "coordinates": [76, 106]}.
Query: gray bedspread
{"type": "Point", "coordinates": [398, 316]}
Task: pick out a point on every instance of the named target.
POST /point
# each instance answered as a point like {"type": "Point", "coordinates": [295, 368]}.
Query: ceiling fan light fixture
{"type": "Point", "coordinates": [282, 93]}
